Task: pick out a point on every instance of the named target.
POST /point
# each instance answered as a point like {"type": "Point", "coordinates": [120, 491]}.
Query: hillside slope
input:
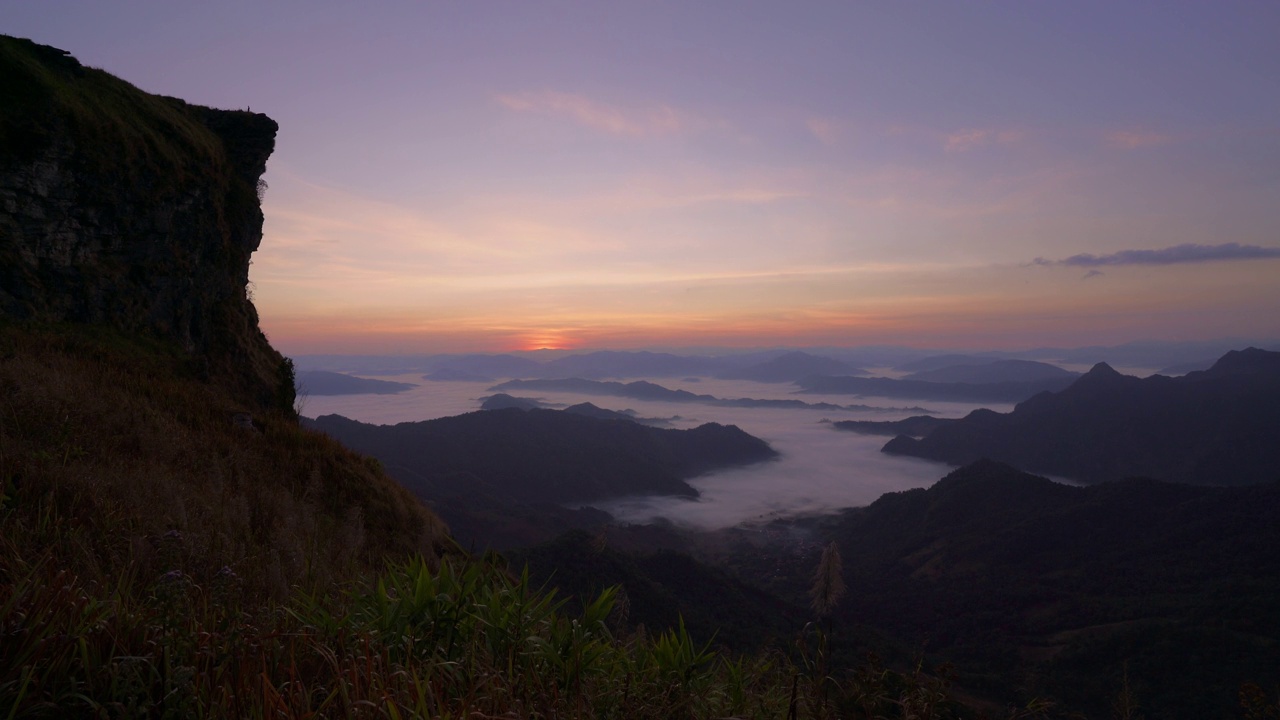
{"type": "Point", "coordinates": [546, 456]}
{"type": "Point", "coordinates": [1214, 427]}
{"type": "Point", "coordinates": [1027, 583]}
{"type": "Point", "coordinates": [146, 425]}
{"type": "Point", "coordinates": [508, 478]}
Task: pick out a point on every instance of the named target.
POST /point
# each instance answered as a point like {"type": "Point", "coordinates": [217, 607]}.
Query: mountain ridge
{"type": "Point", "coordinates": [1215, 426]}
{"type": "Point", "coordinates": [1061, 590]}
{"type": "Point", "coordinates": [543, 443]}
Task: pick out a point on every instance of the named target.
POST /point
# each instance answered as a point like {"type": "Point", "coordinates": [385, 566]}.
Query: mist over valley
{"type": "Point", "coordinates": [820, 470]}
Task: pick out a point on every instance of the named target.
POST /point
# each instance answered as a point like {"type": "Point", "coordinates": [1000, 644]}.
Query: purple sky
{"type": "Point", "coordinates": [494, 176]}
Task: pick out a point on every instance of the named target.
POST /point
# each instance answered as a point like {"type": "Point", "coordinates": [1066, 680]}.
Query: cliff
{"type": "Point", "coordinates": [140, 399]}
{"type": "Point", "coordinates": [134, 211]}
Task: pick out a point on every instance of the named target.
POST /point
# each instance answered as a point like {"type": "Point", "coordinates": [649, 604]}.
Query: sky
{"type": "Point", "coordinates": [496, 176]}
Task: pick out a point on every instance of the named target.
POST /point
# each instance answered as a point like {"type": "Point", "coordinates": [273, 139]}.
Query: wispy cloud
{"type": "Point", "coordinates": [634, 122]}
{"type": "Point", "coordinates": [1176, 255]}
{"type": "Point", "coordinates": [1134, 139]}
{"type": "Point", "coordinates": [827, 131]}
{"type": "Point", "coordinates": [964, 140]}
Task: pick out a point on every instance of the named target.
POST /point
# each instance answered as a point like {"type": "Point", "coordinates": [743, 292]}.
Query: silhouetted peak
{"type": "Point", "coordinates": [1101, 375]}
{"type": "Point", "coordinates": [1102, 370]}
{"type": "Point", "coordinates": [1250, 361]}
{"type": "Point", "coordinates": [984, 482]}
{"type": "Point", "coordinates": [503, 401]}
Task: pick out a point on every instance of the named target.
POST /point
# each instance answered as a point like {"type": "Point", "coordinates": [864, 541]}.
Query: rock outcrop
{"type": "Point", "coordinates": [135, 211]}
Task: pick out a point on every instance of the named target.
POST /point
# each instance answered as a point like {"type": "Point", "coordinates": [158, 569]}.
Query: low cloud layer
{"type": "Point", "coordinates": [1176, 255]}
{"type": "Point", "coordinates": [822, 470]}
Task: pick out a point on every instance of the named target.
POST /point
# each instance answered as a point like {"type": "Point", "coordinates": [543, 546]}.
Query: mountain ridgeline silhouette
{"type": "Point", "coordinates": [1212, 427]}
{"type": "Point", "coordinates": [1060, 591]}
{"type": "Point", "coordinates": [645, 390]}
{"type": "Point", "coordinates": [546, 456]}
{"type": "Point", "coordinates": [502, 477]}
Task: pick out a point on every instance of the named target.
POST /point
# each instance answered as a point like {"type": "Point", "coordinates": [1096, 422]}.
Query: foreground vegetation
{"type": "Point", "coordinates": [418, 642]}
{"type": "Point", "coordinates": [168, 551]}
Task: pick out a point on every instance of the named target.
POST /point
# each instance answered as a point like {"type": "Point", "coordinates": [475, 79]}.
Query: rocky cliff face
{"type": "Point", "coordinates": [131, 210]}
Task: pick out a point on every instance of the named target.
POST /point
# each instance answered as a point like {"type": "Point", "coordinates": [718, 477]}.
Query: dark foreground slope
{"type": "Point", "coordinates": [1038, 588]}
{"type": "Point", "coordinates": [157, 559]}
{"type": "Point", "coordinates": [117, 459]}
{"type": "Point", "coordinates": [1215, 427]}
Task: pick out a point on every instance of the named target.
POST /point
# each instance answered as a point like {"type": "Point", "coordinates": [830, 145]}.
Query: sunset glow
{"type": "Point", "coordinates": [454, 178]}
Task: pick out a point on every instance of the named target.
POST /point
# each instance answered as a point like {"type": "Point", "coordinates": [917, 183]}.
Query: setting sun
{"type": "Point", "coordinates": [546, 340]}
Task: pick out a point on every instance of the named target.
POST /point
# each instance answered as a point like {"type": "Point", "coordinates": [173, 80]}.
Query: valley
{"type": "Point", "coordinates": [1031, 587]}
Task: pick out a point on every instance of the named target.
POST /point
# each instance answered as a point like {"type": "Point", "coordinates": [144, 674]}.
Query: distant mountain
{"type": "Point", "coordinates": [1148, 353]}
{"type": "Point", "coordinates": [1187, 367]}
{"type": "Point", "coordinates": [915, 426]}
{"type": "Point", "coordinates": [644, 390]}
{"type": "Point", "coordinates": [1215, 427]}
{"type": "Point", "coordinates": [615, 364]}
{"type": "Point", "coordinates": [1000, 392]}
{"type": "Point", "coordinates": [1055, 591]}
{"type": "Point", "coordinates": [937, 362]}
{"type": "Point", "coordinates": [545, 456]}
{"type": "Point", "coordinates": [322, 382]}
{"type": "Point", "coordinates": [599, 413]}
{"type": "Point", "coordinates": [638, 390]}
{"type": "Point", "coordinates": [791, 367]}
{"type": "Point", "coordinates": [502, 401]}
{"type": "Point", "coordinates": [994, 371]}
{"type": "Point", "coordinates": [454, 374]}
{"type": "Point", "coordinates": [446, 367]}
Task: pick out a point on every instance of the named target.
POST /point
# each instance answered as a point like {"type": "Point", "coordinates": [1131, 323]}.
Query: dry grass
{"type": "Point", "coordinates": [158, 560]}
{"type": "Point", "coordinates": [118, 458]}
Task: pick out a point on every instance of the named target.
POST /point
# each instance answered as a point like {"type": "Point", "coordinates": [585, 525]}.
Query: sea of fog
{"type": "Point", "coordinates": [820, 470]}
